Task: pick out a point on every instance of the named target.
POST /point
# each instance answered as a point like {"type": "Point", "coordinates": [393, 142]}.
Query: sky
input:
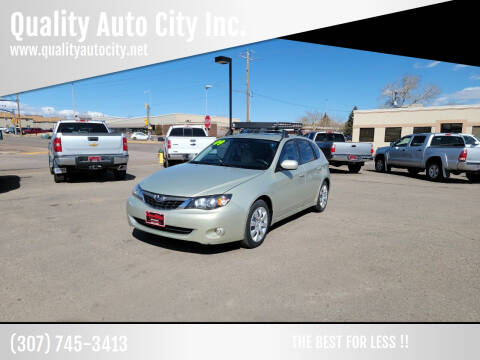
{"type": "Point", "coordinates": [287, 79]}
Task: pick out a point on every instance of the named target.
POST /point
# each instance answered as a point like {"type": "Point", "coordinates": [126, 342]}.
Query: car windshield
{"type": "Point", "coordinates": [242, 153]}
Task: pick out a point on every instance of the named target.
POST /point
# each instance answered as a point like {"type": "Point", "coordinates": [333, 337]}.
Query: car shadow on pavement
{"type": "Point", "coordinates": [9, 183]}
{"type": "Point", "coordinates": [290, 218]}
{"type": "Point", "coordinates": [108, 176]}
{"type": "Point", "coordinates": [340, 171]}
{"type": "Point", "coordinates": [423, 177]}
{"type": "Point", "coordinates": [183, 246]}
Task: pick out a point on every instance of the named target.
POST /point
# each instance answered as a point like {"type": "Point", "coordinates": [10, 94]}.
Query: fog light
{"type": "Point", "coordinates": [219, 231]}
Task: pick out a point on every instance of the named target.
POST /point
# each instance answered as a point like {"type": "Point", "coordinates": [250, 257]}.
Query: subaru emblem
{"type": "Point", "coordinates": [159, 197]}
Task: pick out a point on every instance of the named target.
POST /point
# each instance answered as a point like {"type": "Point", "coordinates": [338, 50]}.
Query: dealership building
{"type": "Point", "coordinates": [382, 126]}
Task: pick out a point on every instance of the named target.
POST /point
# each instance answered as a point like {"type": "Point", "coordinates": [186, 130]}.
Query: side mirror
{"type": "Point", "coordinates": [289, 165]}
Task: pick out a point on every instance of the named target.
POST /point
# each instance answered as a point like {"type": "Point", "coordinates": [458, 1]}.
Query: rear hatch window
{"type": "Point", "coordinates": [82, 128]}
{"type": "Point", "coordinates": [187, 131]}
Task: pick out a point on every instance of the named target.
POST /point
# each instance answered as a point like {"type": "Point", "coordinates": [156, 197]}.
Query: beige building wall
{"type": "Point", "coordinates": [408, 118]}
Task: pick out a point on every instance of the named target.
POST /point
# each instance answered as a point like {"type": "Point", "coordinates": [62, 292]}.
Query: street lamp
{"type": "Point", "coordinates": [226, 60]}
{"type": "Point", "coordinates": [206, 98]}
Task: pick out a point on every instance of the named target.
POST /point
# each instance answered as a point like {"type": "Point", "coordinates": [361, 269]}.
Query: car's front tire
{"type": "Point", "coordinates": [258, 222]}
{"type": "Point", "coordinates": [322, 199]}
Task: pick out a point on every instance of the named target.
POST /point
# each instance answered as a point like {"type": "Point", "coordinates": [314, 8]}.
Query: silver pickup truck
{"type": "Point", "coordinates": [340, 152]}
{"type": "Point", "coordinates": [82, 145]}
{"type": "Point", "coordinates": [438, 154]}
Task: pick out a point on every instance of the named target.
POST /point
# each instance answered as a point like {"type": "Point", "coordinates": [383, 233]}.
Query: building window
{"type": "Point", "coordinates": [422, 129]}
{"type": "Point", "coordinates": [392, 134]}
{"type": "Point", "coordinates": [451, 128]}
{"type": "Point", "coordinates": [366, 134]}
{"type": "Point", "coordinates": [476, 131]}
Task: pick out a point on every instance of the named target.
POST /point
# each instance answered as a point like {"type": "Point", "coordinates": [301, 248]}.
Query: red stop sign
{"type": "Point", "coordinates": [207, 121]}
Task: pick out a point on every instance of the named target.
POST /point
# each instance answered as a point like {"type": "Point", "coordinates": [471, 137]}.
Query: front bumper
{"type": "Point", "coordinates": [191, 224]}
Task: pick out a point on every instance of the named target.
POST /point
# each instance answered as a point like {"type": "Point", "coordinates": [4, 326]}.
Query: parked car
{"type": "Point", "coordinates": [340, 152]}
{"type": "Point", "coordinates": [471, 140]}
{"type": "Point", "coordinates": [183, 142]}
{"type": "Point", "coordinates": [139, 136]}
{"type": "Point", "coordinates": [439, 154]}
{"type": "Point", "coordinates": [79, 145]}
{"type": "Point", "coordinates": [234, 190]}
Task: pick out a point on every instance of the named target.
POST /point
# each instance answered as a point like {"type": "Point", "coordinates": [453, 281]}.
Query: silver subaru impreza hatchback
{"type": "Point", "coordinates": [234, 190]}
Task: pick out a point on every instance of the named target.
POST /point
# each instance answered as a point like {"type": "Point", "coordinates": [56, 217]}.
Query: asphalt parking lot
{"type": "Point", "coordinates": [389, 247]}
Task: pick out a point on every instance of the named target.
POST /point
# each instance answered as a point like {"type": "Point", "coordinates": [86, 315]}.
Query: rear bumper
{"type": "Point", "coordinates": [348, 158]}
{"type": "Point", "coordinates": [181, 157]}
{"type": "Point", "coordinates": [469, 166]}
{"type": "Point", "coordinates": [81, 161]}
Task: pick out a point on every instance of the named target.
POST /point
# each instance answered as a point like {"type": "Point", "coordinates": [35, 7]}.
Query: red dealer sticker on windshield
{"type": "Point", "coordinates": [155, 219]}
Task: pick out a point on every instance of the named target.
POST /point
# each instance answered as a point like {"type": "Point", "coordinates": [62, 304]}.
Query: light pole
{"type": "Point", "coordinates": [147, 107]}
{"type": "Point", "coordinates": [206, 98]}
{"type": "Point", "coordinates": [227, 60]}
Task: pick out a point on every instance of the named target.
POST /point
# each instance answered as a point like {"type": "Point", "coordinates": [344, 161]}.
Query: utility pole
{"type": "Point", "coordinates": [18, 114]}
{"type": "Point", "coordinates": [247, 58]}
{"type": "Point", "coordinates": [73, 101]}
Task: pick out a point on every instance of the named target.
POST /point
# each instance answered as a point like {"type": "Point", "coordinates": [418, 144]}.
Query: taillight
{"type": "Point", "coordinates": [125, 145]}
{"type": "Point", "coordinates": [332, 149]}
{"type": "Point", "coordinates": [57, 145]}
{"type": "Point", "coordinates": [169, 144]}
{"type": "Point", "coordinates": [371, 149]}
{"type": "Point", "coordinates": [463, 155]}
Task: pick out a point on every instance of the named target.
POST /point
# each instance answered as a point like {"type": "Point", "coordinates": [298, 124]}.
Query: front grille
{"type": "Point", "coordinates": [167, 228]}
{"type": "Point", "coordinates": [163, 202]}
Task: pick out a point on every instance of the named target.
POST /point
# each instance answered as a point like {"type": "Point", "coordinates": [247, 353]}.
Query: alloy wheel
{"type": "Point", "coordinates": [259, 224]}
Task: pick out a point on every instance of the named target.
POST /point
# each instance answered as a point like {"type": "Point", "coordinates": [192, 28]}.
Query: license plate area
{"type": "Point", "coordinates": [94, 158]}
{"type": "Point", "coordinates": [154, 218]}
{"type": "Point", "coordinates": [352, 157]}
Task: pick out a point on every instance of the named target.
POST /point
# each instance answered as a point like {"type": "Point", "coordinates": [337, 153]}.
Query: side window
{"type": "Point", "coordinates": [418, 140]}
{"type": "Point", "coordinates": [456, 141]}
{"type": "Point", "coordinates": [289, 152]}
{"type": "Point", "coordinates": [403, 141]}
{"type": "Point", "coordinates": [316, 150]}
{"type": "Point", "coordinates": [306, 151]}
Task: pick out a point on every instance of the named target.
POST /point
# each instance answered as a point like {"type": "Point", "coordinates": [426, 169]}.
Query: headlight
{"type": "Point", "coordinates": [209, 202]}
{"type": "Point", "coordinates": [137, 192]}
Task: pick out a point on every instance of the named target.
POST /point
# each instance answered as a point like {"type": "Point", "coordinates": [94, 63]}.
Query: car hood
{"type": "Point", "coordinates": [197, 180]}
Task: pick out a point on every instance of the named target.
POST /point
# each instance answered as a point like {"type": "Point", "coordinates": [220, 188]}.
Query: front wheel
{"type": "Point", "coordinates": [380, 165]}
{"type": "Point", "coordinates": [258, 222]}
{"type": "Point", "coordinates": [322, 199]}
{"type": "Point", "coordinates": [354, 168]}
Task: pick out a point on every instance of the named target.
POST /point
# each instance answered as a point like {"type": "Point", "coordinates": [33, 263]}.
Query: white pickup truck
{"type": "Point", "coordinates": [183, 142]}
{"type": "Point", "coordinates": [78, 145]}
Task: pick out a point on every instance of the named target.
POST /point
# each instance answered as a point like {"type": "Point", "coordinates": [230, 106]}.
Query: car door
{"type": "Point", "coordinates": [309, 167]}
{"type": "Point", "coordinates": [398, 152]}
{"type": "Point", "coordinates": [287, 184]}
{"type": "Point", "coordinates": [415, 151]}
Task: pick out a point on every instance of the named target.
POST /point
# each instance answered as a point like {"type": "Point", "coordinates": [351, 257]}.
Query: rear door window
{"type": "Point", "coordinates": [306, 151]}
{"type": "Point", "coordinates": [418, 140]}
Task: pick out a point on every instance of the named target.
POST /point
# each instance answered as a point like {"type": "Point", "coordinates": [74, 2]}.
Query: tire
{"type": "Point", "coordinates": [322, 199]}
{"type": "Point", "coordinates": [258, 222]}
{"type": "Point", "coordinates": [354, 168]}
{"type": "Point", "coordinates": [165, 163]}
{"type": "Point", "coordinates": [120, 174]}
{"type": "Point", "coordinates": [380, 164]}
{"type": "Point", "coordinates": [473, 177]}
{"type": "Point", "coordinates": [413, 171]}
{"type": "Point", "coordinates": [58, 178]}
{"type": "Point", "coordinates": [434, 171]}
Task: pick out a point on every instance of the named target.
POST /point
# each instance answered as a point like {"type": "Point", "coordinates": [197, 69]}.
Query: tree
{"type": "Point", "coordinates": [312, 119]}
{"type": "Point", "coordinates": [348, 128]}
{"type": "Point", "coordinates": [404, 92]}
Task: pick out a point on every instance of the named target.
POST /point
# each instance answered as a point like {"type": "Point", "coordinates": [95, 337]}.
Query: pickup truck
{"type": "Point", "coordinates": [439, 154]}
{"type": "Point", "coordinates": [339, 152]}
{"type": "Point", "coordinates": [184, 142]}
{"type": "Point", "coordinates": [82, 145]}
